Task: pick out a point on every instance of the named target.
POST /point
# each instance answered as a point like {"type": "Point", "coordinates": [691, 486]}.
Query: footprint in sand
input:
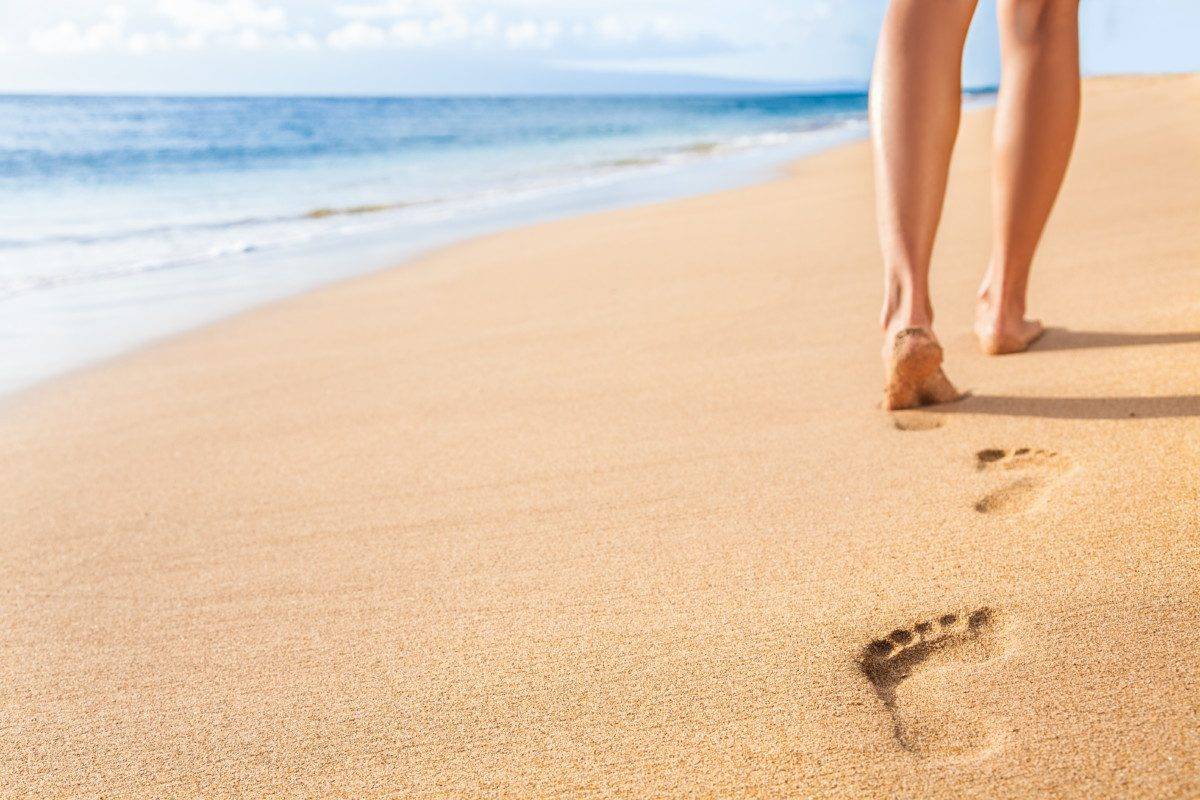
{"type": "Point", "coordinates": [929, 678]}
{"type": "Point", "coordinates": [1034, 471]}
{"type": "Point", "coordinates": [916, 421]}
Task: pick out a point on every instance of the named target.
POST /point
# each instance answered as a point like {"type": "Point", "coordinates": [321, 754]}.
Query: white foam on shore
{"type": "Point", "coordinates": [160, 281]}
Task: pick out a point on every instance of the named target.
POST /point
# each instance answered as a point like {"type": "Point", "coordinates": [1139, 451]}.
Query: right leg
{"type": "Point", "coordinates": [916, 96]}
{"type": "Point", "coordinates": [1036, 116]}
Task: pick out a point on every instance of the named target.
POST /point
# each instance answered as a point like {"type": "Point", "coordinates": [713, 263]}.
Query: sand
{"type": "Point", "coordinates": [607, 507]}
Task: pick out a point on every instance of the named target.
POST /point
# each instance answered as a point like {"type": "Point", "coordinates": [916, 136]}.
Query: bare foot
{"type": "Point", "coordinates": [998, 338]}
{"type": "Point", "coordinates": [1000, 324]}
{"type": "Point", "coordinates": [914, 372]}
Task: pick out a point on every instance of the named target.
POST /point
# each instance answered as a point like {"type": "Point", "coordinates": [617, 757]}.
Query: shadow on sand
{"type": "Point", "coordinates": [1160, 407]}
{"type": "Point", "coordinates": [1067, 339]}
{"type": "Point", "coordinates": [1164, 407]}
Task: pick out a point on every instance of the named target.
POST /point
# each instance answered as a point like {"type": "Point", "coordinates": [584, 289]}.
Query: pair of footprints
{"type": "Point", "coordinates": [928, 679]}
{"type": "Point", "coordinates": [917, 671]}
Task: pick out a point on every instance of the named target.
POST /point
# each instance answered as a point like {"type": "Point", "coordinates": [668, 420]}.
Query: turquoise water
{"type": "Point", "coordinates": [126, 219]}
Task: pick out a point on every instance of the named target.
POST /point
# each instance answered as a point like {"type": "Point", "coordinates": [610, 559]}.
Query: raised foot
{"type": "Point", "coordinates": [914, 372]}
{"type": "Point", "coordinates": [997, 340]}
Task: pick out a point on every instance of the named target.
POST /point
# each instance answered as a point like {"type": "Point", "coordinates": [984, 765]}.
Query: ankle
{"type": "Point", "coordinates": [898, 321]}
{"type": "Point", "coordinates": [903, 308]}
{"type": "Point", "coordinates": [997, 307]}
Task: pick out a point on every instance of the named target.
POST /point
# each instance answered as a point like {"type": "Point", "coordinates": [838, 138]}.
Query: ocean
{"type": "Point", "coordinates": [126, 219]}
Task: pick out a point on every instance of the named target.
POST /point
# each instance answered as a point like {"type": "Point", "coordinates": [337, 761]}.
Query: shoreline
{"type": "Point", "coordinates": [605, 507]}
{"type": "Point", "coordinates": [77, 322]}
{"type": "Point", "coordinates": [381, 255]}
{"type": "Point", "coordinates": [402, 246]}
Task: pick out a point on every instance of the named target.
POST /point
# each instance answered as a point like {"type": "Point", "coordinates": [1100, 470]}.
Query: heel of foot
{"type": "Point", "coordinates": [916, 345]}
{"type": "Point", "coordinates": [915, 376]}
{"type": "Point", "coordinates": [992, 346]}
{"type": "Point", "coordinates": [999, 344]}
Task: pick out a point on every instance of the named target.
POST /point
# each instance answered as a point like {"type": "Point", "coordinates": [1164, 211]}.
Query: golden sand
{"type": "Point", "coordinates": [607, 508]}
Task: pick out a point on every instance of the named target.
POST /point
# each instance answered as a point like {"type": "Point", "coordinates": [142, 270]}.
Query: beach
{"type": "Point", "coordinates": [607, 507]}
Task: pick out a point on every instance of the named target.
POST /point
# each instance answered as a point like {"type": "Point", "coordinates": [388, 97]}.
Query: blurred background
{"type": "Point", "coordinates": [164, 163]}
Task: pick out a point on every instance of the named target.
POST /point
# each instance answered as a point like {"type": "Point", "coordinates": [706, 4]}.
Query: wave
{"type": "Point", "coordinates": [232, 223]}
{"type": "Point", "coordinates": [653, 157]}
{"type": "Point", "coordinates": [153, 248]}
{"type": "Point", "coordinates": [13, 286]}
{"type": "Point", "coordinates": [353, 211]}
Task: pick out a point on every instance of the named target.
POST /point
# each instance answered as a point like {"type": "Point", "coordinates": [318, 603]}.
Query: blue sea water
{"type": "Point", "coordinates": [123, 219]}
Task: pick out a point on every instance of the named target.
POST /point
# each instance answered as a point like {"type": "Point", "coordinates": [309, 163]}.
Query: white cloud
{"type": "Point", "coordinates": [305, 41]}
{"type": "Point", "coordinates": [249, 39]}
{"type": "Point", "coordinates": [386, 10]}
{"type": "Point", "coordinates": [140, 43]}
{"type": "Point", "coordinates": [436, 24]}
{"type": "Point", "coordinates": [524, 25]}
{"type": "Point", "coordinates": [356, 35]}
{"type": "Point", "coordinates": [64, 38]}
{"type": "Point", "coordinates": [532, 35]}
{"type": "Point", "coordinates": [409, 33]}
{"type": "Point", "coordinates": [591, 29]}
{"type": "Point", "coordinates": [68, 38]}
{"type": "Point", "coordinates": [191, 26]}
{"type": "Point", "coordinates": [613, 29]}
{"type": "Point", "coordinates": [223, 16]}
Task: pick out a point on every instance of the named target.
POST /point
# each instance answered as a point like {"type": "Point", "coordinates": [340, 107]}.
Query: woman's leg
{"type": "Point", "coordinates": [916, 94]}
{"type": "Point", "coordinates": [1036, 117]}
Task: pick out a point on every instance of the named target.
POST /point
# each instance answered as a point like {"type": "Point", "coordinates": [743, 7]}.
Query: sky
{"type": "Point", "coordinates": [511, 46]}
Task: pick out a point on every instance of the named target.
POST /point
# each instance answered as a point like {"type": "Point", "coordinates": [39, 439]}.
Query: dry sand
{"type": "Point", "coordinates": [606, 507]}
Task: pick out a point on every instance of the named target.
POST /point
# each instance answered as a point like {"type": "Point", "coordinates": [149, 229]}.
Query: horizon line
{"type": "Point", "coordinates": [782, 91]}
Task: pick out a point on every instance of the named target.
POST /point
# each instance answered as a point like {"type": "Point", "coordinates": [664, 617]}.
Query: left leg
{"type": "Point", "coordinates": [1036, 117]}
{"type": "Point", "coordinates": [916, 96]}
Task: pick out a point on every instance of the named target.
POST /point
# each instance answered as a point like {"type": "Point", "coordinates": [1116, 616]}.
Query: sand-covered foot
{"type": "Point", "coordinates": [914, 372]}
{"type": "Point", "coordinates": [997, 339]}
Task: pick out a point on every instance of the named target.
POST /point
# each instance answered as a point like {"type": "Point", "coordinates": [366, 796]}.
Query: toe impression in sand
{"type": "Point", "coordinates": [915, 376]}
{"type": "Point", "coordinates": [1033, 471]}
{"type": "Point", "coordinates": [927, 677]}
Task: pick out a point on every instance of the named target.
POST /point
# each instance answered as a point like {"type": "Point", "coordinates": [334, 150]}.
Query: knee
{"type": "Point", "coordinates": [1031, 22]}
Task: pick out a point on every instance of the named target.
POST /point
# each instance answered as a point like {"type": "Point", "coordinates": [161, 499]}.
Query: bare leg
{"type": "Point", "coordinates": [916, 95]}
{"type": "Point", "coordinates": [1036, 118]}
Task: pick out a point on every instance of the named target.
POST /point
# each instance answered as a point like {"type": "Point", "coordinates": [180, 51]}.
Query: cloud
{"type": "Point", "coordinates": [140, 43]}
{"type": "Point", "coordinates": [386, 10]}
{"type": "Point", "coordinates": [174, 25]}
{"type": "Point", "coordinates": [514, 25]}
{"type": "Point", "coordinates": [223, 16]}
{"type": "Point", "coordinates": [664, 28]}
{"type": "Point", "coordinates": [356, 35]}
{"type": "Point", "coordinates": [435, 24]}
{"type": "Point", "coordinates": [583, 29]}
{"type": "Point", "coordinates": [532, 35]}
{"type": "Point", "coordinates": [68, 38]}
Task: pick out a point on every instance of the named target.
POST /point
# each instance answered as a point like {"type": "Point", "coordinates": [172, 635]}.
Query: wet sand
{"type": "Point", "coordinates": [607, 507]}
